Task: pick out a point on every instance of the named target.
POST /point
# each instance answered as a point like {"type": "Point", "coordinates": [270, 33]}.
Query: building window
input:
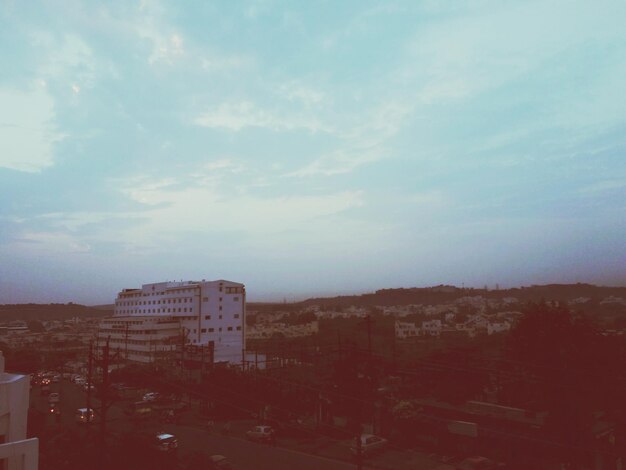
{"type": "Point", "coordinates": [236, 299]}
{"type": "Point", "coordinates": [203, 330]}
{"type": "Point", "coordinates": [207, 317]}
{"type": "Point", "coordinates": [220, 317]}
{"type": "Point", "coordinates": [205, 299]}
{"type": "Point", "coordinates": [220, 329]}
{"type": "Point", "coordinates": [220, 307]}
{"type": "Point", "coordinates": [238, 328]}
{"type": "Point", "coordinates": [230, 328]}
{"type": "Point", "coordinates": [211, 330]}
{"type": "Point", "coordinates": [236, 315]}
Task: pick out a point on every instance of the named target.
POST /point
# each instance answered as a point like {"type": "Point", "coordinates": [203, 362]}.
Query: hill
{"type": "Point", "coordinates": [444, 294]}
{"type": "Point", "coordinates": [27, 312]}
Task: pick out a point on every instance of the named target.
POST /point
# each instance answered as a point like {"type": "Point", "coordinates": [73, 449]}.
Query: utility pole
{"type": "Point", "coordinates": [339, 352]}
{"type": "Point", "coordinates": [104, 392]}
{"type": "Point", "coordinates": [126, 342]}
{"type": "Point", "coordinates": [393, 350]}
{"type": "Point", "coordinates": [89, 376]}
{"type": "Point", "coordinates": [368, 321]}
{"type": "Point", "coordinates": [359, 449]}
{"type": "Point", "coordinates": [182, 351]}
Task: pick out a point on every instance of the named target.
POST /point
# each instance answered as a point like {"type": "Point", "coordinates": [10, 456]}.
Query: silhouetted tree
{"type": "Point", "coordinates": [568, 369]}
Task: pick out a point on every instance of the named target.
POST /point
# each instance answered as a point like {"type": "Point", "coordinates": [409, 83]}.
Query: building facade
{"type": "Point", "coordinates": [160, 317]}
{"type": "Point", "coordinates": [16, 452]}
{"type": "Point", "coordinates": [141, 339]}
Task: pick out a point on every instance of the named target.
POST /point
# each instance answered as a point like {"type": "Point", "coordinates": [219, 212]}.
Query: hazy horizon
{"type": "Point", "coordinates": [288, 297]}
{"type": "Point", "coordinates": [310, 148]}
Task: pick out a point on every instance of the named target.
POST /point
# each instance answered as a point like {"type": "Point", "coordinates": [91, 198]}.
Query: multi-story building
{"type": "Point", "coordinates": [16, 452]}
{"type": "Point", "coordinates": [141, 339]}
{"type": "Point", "coordinates": [159, 317]}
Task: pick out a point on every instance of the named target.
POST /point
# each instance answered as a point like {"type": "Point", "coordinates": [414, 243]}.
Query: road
{"type": "Point", "coordinates": [244, 454]}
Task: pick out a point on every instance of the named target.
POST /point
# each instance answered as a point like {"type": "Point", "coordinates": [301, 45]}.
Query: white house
{"type": "Point", "coordinates": [498, 327]}
{"type": "Point", "coordinates": [432, 327]}
{"type": "Point", "coordinates": [406, 329]}
{"type": "Point", "coordinates": [17, 452]}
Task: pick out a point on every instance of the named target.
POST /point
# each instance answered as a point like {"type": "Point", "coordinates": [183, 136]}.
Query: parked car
{"type": "Point", "coordinates": [370, 444]}
{"type": "Point", "coordinates": [166, 442]}
{"type": "Point", "coordinates": [151, 396]}
{"type": "Point", "coordinates": [84, 415]}
{"type": "Point", "coordinates": [88, 387]}
{"type": "Point", "coordinates": [479, 463]}
{"type": "Point", "coordinates": [261, 434]}
{"type": "Point", "coordinates": [79, 380]}
{"type": "Point", "coordinates": [54, 397]}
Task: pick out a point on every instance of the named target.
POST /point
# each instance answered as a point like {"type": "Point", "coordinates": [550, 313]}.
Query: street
{"type": "Point", "coordinates": [193, 436]}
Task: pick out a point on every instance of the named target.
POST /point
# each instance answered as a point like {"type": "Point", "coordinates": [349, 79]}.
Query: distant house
{"type": "Point", "coordinates": [268, 330]}
{"type": "Point", "coordinates": [406, 329]}
{"type": "Point", "coordinates": [432, 327]}
{"type": "Point", "coordinates": [498, 327]}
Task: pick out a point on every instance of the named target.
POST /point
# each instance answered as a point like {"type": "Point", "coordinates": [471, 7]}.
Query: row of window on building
{"type": "Point", "coordinates": [178, 300]}
{"type": "Point", "coordinates": [148, 341]}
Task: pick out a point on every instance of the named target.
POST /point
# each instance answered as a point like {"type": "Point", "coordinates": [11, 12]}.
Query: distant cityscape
{"type": "Point", "coordinates": [423, 377]}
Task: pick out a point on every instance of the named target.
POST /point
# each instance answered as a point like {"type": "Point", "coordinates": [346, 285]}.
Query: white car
{"type": "Point", "coordinates": [79, 381]}
{"type": "Point", "coordinates": [54, 397]}
{"type": "Point", "coordinates": [150, 396]}
{"type": "Point", "coordinates": [370, 444]}
{"type": "Point", "coordinates": [166, 442]}
{"type": "Point", "coordinates": [261, 434]}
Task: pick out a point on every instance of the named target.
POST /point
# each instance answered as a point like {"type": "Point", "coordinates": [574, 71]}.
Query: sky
{"type": "Point", "coordinates": [310, 148]}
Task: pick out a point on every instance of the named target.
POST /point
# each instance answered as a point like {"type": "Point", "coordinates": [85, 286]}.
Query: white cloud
{"type": "Point", "coordinates": [217, 62]}
{"type": "Point", "coordinates": [199, 208]}
{"type": "Point", "coordinates": [48, 243]}
{"type": "Point", "coordinates": [243, 114]}
{"type": "Point", "coordinates": [297, 92]}
{"type": "Point", "coordinates": [339, 162]}
{"type": "Point", "coordinates": [602, 186]}
{"type": "Point", "coordinates": [27, 129]}
{"type": "Point", "coordinates": [430, 199]}
{"type": "Point", "coordinates": [485, 48]}
{"type": "Point", "coordinates": [364, 143]}
{"type": "Point", "coordinates": [70, 59]}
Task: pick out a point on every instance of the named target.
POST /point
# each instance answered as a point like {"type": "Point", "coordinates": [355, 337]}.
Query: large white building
{"type": "Point", "coordinates": [160, 317]}
{"type": "Point", "coordinates": [16, 451]}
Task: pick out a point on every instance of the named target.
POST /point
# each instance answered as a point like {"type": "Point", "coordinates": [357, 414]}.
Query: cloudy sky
{"type": "Point", "coordinates": [306, 148]}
